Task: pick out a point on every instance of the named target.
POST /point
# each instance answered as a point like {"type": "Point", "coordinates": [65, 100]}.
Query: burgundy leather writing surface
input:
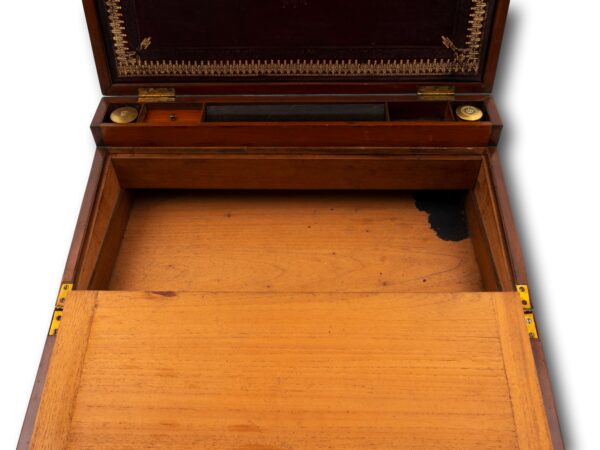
{"type": "Point", "coordinates": [298, 29]}
{"type": "Point", "coordinates": [187, 41]}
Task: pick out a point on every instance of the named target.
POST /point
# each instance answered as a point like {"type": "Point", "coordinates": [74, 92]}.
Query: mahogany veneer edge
{"type": "Point", "coordinates": [85, 214]}
{"type": "Point", "coordinates": [97, 42]}
{"type": "Point", "coordinates": [68, 277]}
{"type": "Point", "coordinates": [518, 266]}
{"type": "Point", "coordinates": [495, 45]}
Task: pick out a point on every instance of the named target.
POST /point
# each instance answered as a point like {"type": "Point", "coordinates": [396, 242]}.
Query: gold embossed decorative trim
{"type": "Point", "coordinates": [466, 61]}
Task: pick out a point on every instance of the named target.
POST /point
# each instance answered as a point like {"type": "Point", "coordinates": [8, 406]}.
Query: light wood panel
{"type": "Point", "coordinates": [110, 197]}
{"type": "Point", "coordinates": [486, 209]}
{"type": "Point", "coordinates": [481, 245]}
{"type": "Point", "coordinates": [111, 244]}
{"type": "Point", "coordinates": [288, 242]}
{"type": "Point", "coordinates": [173, 114]}
{"type": "Point", "coordinates": [521, 374]}
{"type": "Point", "coordinates": [53, 421]}
{"type": "Point", "coordinates": [302, 371]}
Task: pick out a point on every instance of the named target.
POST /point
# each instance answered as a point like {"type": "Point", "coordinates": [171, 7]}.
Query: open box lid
{"type": "Point", "coordinates": [295, 46]}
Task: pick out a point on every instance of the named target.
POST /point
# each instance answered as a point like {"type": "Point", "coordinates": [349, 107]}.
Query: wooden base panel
{"type": "Point", "coordinates": [271, 371]}
{"type": "Point", "coordinates": [288, 242]}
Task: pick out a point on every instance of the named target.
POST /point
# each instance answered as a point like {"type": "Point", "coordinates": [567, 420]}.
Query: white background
{"type": "Point", "coordinates": [547, 91]}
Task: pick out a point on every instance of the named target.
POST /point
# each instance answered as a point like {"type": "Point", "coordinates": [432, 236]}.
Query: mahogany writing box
{"type": "Point", "coordinates": [296, 235]}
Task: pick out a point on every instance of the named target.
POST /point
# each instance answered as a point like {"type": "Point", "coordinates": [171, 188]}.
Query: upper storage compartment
{"type": "Point", "coordinates": [295, 46]}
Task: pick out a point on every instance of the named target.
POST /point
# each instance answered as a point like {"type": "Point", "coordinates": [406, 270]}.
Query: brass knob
{"type": "Point", "coordinates": [125, 114]}
{"type": "Point", "coordinates": [469, 113]}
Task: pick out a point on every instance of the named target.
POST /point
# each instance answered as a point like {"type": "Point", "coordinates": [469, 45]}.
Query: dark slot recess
{"type": "Point", "coordinates": [306, 112]}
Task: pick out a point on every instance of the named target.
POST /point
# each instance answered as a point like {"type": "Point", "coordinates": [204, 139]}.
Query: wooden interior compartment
{"type": "Point", "coordinates": [421, 111]}
{"type": "Point", "coordinates": [370, 121]}
{"type": "Point", "coordinates": [296, 242]}
{"type": "Point", "coordinates": [168, 113]}
{"type": "Point", "coordinates": [382, 232]}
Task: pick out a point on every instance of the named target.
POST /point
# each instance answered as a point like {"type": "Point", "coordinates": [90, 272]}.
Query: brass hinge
{"type": "Point", "coordinates": [437, 91]}
{"type": "Point", "coordinates": [523, 291]}
{"type": "Point", "coordinates": [531, 325]}
{"type": "Point", "coordinates": [156, 95]}
{"type": "Point", "coordinates": [59, 307]}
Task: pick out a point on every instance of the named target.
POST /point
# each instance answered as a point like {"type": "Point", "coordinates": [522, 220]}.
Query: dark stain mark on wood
{"type": "Point", "coordinates": [446, 211]}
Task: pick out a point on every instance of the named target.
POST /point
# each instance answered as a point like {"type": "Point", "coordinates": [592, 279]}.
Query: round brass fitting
{"type": "Point", "coordinates": [125, 114]}
{"type": "Point", "coordinates": [469, 113]}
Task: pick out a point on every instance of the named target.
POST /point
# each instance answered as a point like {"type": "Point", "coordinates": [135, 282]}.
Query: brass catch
{"type": "Point", "coordinates": [59, 307]}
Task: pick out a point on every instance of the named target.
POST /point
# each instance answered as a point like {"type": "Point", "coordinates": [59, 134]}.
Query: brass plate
{"type": "Point", "coordinates": [523, 291]}
{"type": "Point", "coordinates": [126, 114]}
{"type": "Point", "coordinates": [531, 326]}
{"type": "Point", "coordinates": [469, 113]}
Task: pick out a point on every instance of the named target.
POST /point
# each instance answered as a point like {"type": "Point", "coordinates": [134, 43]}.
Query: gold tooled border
{"type": "Point", "coordinates": [466, 60]}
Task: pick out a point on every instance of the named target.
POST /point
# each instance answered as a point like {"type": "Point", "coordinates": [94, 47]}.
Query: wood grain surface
{"type": "Point", "coordinates": [107, 201]}
{"type": "Point", "coordinates": [253, 170]}
{"type": "Point", "coordinates": [523, 382]}
{"type": "Point", "coordinates": [53, 422]}
{"type": "Point", "coordinates": [288, 242]}
{"type": "Point", "coordinates": [299, 371]}
{"type": "Point", "coordinates": [486, 204]}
